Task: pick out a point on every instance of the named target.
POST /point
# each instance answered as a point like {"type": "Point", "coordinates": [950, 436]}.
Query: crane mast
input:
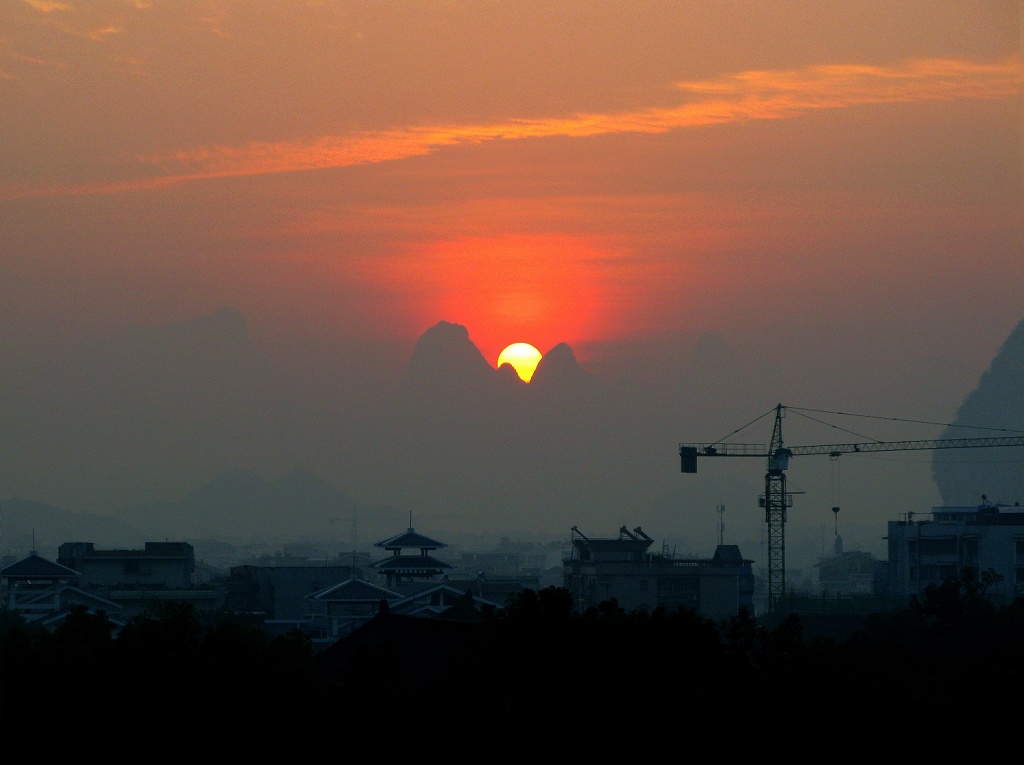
{"type": "Point", "coordinates": [775, 513]}
{"type": "Point", "coordinates": [776, 499]}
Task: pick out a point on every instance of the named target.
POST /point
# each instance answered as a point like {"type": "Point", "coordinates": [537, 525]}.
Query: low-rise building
{"type": "Point", "coordinates": [620, 568]}
{"type": "Point", "coordinates": [168, 564]}
{"type": "Point", "coordinates": [140, 580]}
{"type": "Point", "coordinates": [931, 548]}
{"type": "Point", "coordinates": [281, 593]}
{"type": "Point", "coordinates": [850, 574]}
{"type": "Point", "coordinates": [44, 592]}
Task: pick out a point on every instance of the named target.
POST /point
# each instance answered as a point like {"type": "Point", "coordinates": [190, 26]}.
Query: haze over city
{"type": "Point", "coordinates": [288, 238]}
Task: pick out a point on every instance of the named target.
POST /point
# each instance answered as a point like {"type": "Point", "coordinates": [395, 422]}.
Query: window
{"type": "Point", "coordinates": [938, 546]}
{"type": "Point", "coordinates": [131, 567]}
{"type": "Point", "coordinates": [969, 549]}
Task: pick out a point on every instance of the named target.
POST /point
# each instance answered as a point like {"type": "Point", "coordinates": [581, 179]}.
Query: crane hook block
{"type": "Point", "coordinates": [688, 456]}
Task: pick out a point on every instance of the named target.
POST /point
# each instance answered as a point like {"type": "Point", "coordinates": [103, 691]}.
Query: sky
{"type": "Point", "coordinates": [832, 189]}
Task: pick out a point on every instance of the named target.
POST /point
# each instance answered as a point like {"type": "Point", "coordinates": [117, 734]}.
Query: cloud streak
{"type": "Point", "coordinates": [742, 97]}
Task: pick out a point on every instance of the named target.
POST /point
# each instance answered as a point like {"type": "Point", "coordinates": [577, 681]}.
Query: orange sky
{"type": "Point", "coordinates": [580, 172]}
{"type": "Point", "coordinates": [719, 205]}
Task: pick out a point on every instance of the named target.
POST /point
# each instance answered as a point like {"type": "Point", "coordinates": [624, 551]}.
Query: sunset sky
{"type": "Point", "coordinates": [809, 181]}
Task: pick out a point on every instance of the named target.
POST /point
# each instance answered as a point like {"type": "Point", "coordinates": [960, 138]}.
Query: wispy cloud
{"type": "Point", "coordinates": [48, 6]}
{"type": "Point", "coordinates": [745, 96]}
{"type": "Point", "coordinates": [99, 34]}
{"type": "Point", "coordinates": [751, 95]}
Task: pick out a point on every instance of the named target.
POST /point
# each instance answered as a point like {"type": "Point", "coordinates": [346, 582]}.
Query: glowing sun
{"type": "Point", "coordinates": [523, 357]}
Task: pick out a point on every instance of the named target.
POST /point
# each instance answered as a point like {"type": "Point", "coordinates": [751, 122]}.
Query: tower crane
{"type": "Point", "coordinates": [776, 499]}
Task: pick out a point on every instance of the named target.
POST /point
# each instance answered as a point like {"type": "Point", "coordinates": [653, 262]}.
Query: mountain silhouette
{"type": "Point", "coordinates": [146, 413]}
{"type": "Point", "coordinates": [994, 408]}
{"type": "Point", "coordinates": [240, 506]}
{"type": "Point", "coordinates": [186, 432]}
{"type": "Point", "coordinates": [27, 525]}
{"type": "Point", "coordinates": [478, 449]}
{"type": "Point", "coordinates": [444, 354]}
{"type": "Point", "coordinates": [558, 368]}
{"type": "Point", "coordinates": [191, 407]}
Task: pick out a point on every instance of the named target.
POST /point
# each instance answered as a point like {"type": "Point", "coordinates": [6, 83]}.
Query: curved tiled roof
{"type": "Point", "coordinates": [34, 566]}
{"type": "Point", "coordinates": [353, 591]}
{"type": "Point", "coordinates": [410, 538]}
{"type": "Point", "coordinates": [416, 563]}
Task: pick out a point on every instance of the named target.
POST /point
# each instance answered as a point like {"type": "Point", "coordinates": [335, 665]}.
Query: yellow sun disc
{"type": "Point", "coordinates": [523, 357]}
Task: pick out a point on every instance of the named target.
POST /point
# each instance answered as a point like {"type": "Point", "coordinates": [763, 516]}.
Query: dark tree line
{"type": "Point", "coordinates": [534, 665]}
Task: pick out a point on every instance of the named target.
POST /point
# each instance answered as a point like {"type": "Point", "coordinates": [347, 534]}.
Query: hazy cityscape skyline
{"type": "Point", "coordinates": [431, 416]}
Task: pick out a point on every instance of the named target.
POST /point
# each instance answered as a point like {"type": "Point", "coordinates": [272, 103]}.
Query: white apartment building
{"type": "Point", "coordinates": [929, 548]}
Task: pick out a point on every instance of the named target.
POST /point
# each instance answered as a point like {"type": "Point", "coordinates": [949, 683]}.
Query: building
{"type": "Point", "coordinates": [621, 568]}
{"type": "Point", "coordinates": [164, 564]}
{"type": "Point", "coordinates": [140, 580]}
{"type": "Point", "coordinates": [930, 548]}
{"type": "Point", "coordinates": [44, 592]}
{"type": "Point", "coordinates": [417, 586]}
{"type": "Point", "coordinates": [346, 606]}
{"type": "Point", "coordinates": [432, 599]}
{"type": "Point", "coordinates": [511, 559]}
{"type": "Point", "coordinates": [498, 589]}
{"type": "Point", "coordinates": [281, 593]}
{"type": "Point", "coordinates": [850, 573]}
{"type": "Point", "coordinates": [402, 566]}
{"type": "Point", "coordinates": [531, 564]}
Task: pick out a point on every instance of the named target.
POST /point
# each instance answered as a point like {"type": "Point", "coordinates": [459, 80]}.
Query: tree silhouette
{"type": "Point", "coordinates": [942, 651]}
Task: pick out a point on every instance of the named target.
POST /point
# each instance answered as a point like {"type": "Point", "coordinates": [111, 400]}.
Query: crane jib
{"type": "Point", "coordinates": [689, 452]}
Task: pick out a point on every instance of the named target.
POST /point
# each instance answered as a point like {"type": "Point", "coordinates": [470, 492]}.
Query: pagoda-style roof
{"type": "Point", "coordinates": [411, 564]}
{"type": "Point", "coordinates": [34, 566]}
{"type": "Point", "coordinates": [410, 538]}
{"type": "Point", "coordinates": [353, 591]}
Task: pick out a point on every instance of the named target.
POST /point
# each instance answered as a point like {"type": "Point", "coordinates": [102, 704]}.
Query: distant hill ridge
{"type": "Point", "coordinates": [456, 442]}
{"type": "Point", "coordinates": [963, 475]}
